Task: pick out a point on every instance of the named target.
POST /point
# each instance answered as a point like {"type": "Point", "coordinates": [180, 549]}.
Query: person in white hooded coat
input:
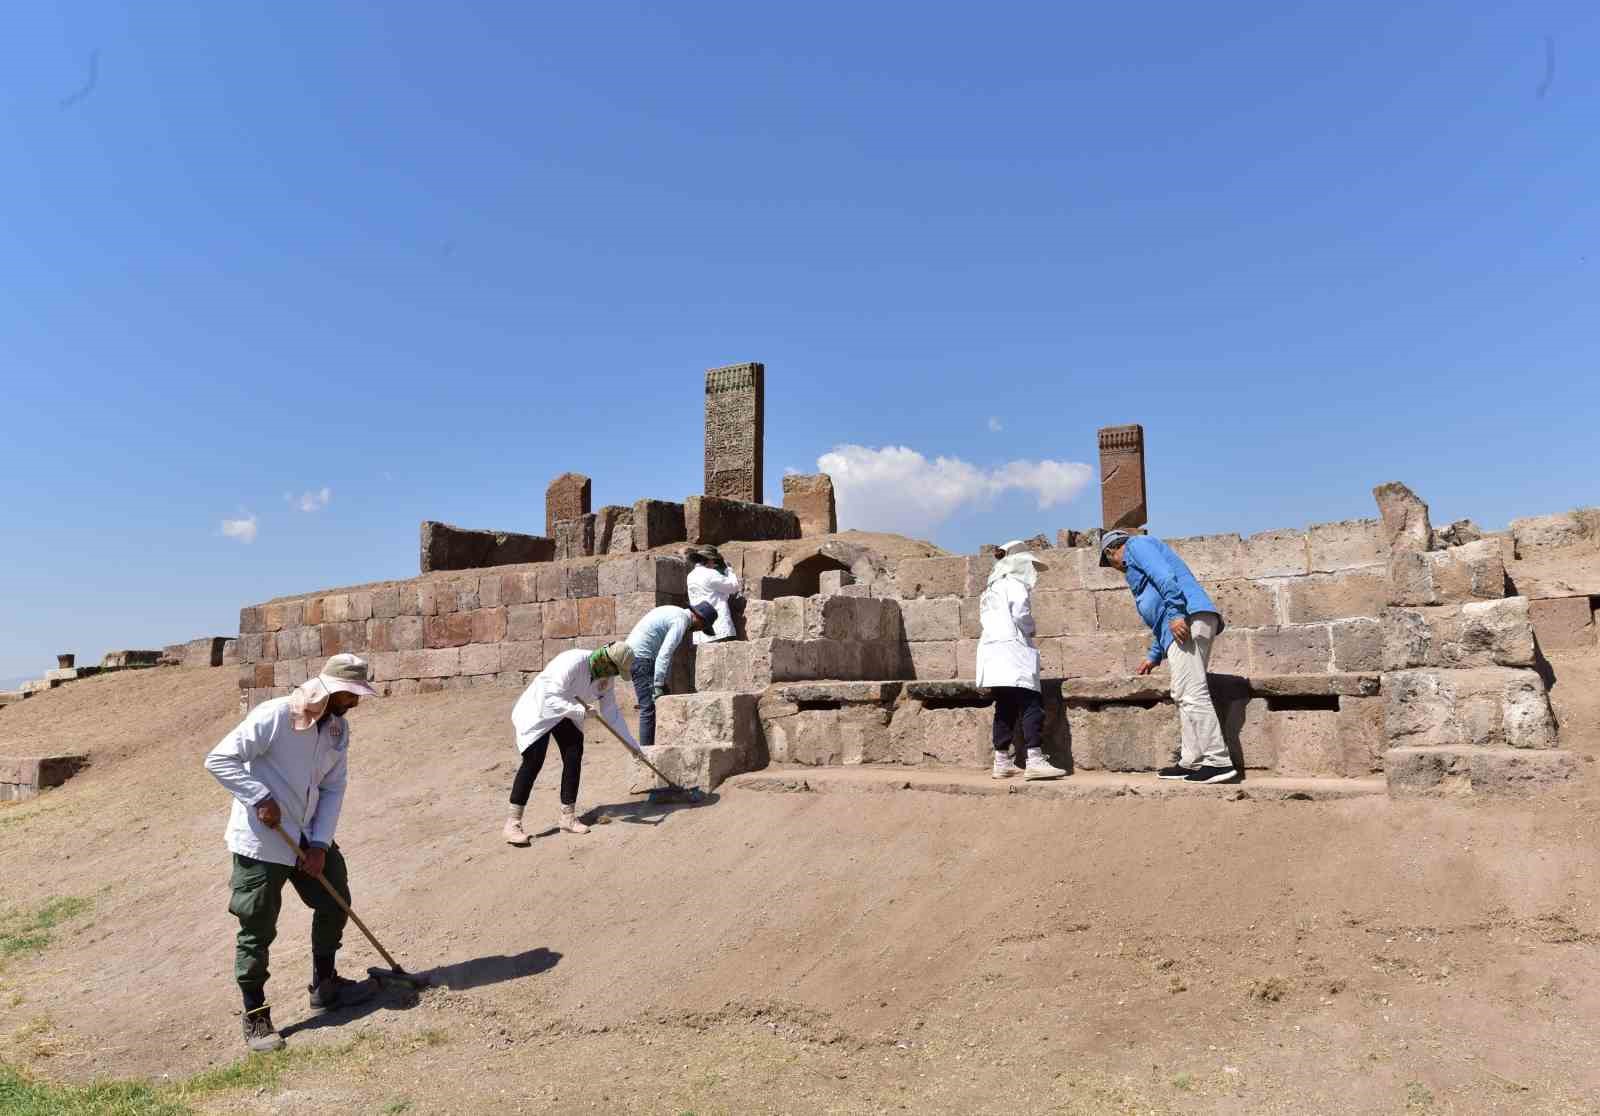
{"type": "Point", "coordinates": [555, 704]}
{"type": "Point", "coordinates": [1008, 663]}
{"type": "Point", "coordinates": [711, 582]}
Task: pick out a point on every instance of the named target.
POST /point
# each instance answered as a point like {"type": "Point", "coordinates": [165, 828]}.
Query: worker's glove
{"type": "Point", "coordinates": [660, 691]}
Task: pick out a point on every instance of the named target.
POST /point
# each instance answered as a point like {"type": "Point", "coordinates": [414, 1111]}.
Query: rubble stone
{"type": "Point", "coordinates": [1480, 633]}
{"type": "Point", "coordinates": [1404, 517]}
{"type": "Point", "coordinates": [1439, 771]}
{"type": "Point", "coordinates": [1483, 707]}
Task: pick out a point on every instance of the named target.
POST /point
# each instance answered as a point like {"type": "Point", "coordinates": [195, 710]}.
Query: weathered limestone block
{"type": "Point", "coordinates": [1459, 771]}
{"type": "Point", "coordinates": [709, 719]}
{"type": "Point", "coordinates": [613, 530]}
{"type": "Point", "coordinates": [1460, 532]}
{"type": "Point", "coordinates": [1122, 477]}
{"type": "Point", "coordinates": [1305, 741]}
{"type": "Point", "coordinates": [1211, 557]}
{"type": "Point", "coordinates": [1123, 737]}
{"type": "Point", "coordinates": [1114, 611]}
{"type": "Point", "coordinates": [574, 538]}
{"type": "Point", "coordinates": [1404, 517]}
{"type": "Point", "coordinates": [657, 523]}
{"type": "Point", "coordinates": [1244, 604]}
{"type": "Point", "coordinates": [25, 776]}
{"type": "Point", "coordinates": [1578, 528]}
{"type": "Point", "coordinates": [1487, 707]}
{"type": "Point", "coordinates": [1475, 571]}
{"type": "Point", "coordinates": [663, 573]}
{"type": "Point", "coordinates": [783, 618]}
{"type": "Point", "coordinates": [1564, 623]}
{"type": "Point", "coordinates": [1055, 613]}
{"type": "Point", "coordinates": [566, 498]}
{"type": "Point", "coordinates": [1357, 644]}
{"type": "Point", "coordinates": [1335, 596]}
{"type": "Point", "coordinates": [1346, 545]}
{"type": "Point", "coordinates": [445, 547]}
{"type": "Point", "coordinates": [735, 443]}
{"type": "Point", "coordinates": [930, 618]}
{"type": "Point", "coordinates": [810, 497]}
{"type": "Point", "coordinates": [1361, 735]}
{"type": "Point", "coordinates": [1291, 649]}
{"type": "Point", "coordinates": [1103, 653]}
{"type": "Point", "coordinates": [830, 582]}
{"type": "Point", "coordinates": [715, 520]}
{"type": "Point", "coordinates": [1481, 633]}
{"type": "Point", "coordinates": [932, 577]}
{"type": "Point", "coordinates": [933, 660]}
{"type": "Point", "coordinates": [1282, 553]}
{"type": "Point", "coordinates": [597, 616]}
{"type": "Point", "coordinates": [122, 660]}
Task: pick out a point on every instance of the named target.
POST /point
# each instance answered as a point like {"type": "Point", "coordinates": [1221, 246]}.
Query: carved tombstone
{"type": "Point", "coordinates": [1122, 496]}
{"type": "Point", "coordinates": [735, 418]}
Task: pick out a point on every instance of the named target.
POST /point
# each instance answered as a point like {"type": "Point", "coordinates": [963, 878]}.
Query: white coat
{"type": "Point", "coordinates": [560, 692]}
{"type": "Point", "coordinates": [1006, 654]}
{"type": "Point", "coordinates": [715, 589]}
{"type": "Point", "coordinates": [303, 771]}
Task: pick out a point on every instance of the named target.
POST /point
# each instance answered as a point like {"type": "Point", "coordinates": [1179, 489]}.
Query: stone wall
{"type": "Point", "coordinates": [445, 547]}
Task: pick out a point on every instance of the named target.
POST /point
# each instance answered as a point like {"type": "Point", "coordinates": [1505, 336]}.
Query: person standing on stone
{"type": "Point", "coordinates": [285, 765]}
{"type": "Point", "coordinates": [712, 583]}
{"type": "Point", "coordinates": [1008, 662]}
{"type": "Point", "coordinates": [555, 704]}
{"type": "Point", "coordinates": [1183, 621]}
{"type": "Point", "coordinates": [654, 640]}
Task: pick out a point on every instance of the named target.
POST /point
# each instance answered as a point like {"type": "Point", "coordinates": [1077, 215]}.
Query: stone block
{"type": "Point", "coordinates": [1282, 553]}
{"type": "Point", "coordinates": [632, 607]}
{"type": "Point", "coordinates": [486, 625]}
{"type": "Point", "coordinates": [664, 573]}
{"type": "Point", "coordinates": [275, 617]}
{"type": "Point", "coordinates": [480, 658]}
{"type": "Point", "coordinates": [523, 655]}
{"type": "Point", "coordinates": [658, 523]}
{"type": "Point", "coordinates": [715, 520]}
{"type": "Point", "coordinates": [1578, 528]}
{"type": "Point", "coordinates": [1244, 727]}
{"type": "Point", "coordinates": [830, 582]}
{"type": "Point", "coordinates": [1486, 707]}
{"type": "Point", "coordinates": [124, 660]}
{"type": "Point", "coordinates": [1564, 623]}
{"type": "Point", "coordinates": [583, 581]}
{"type": "Point", "coordinates": [350, 636]}
{"type": "Point", "coordinates": [1122, 737]}
{"type": "Point", "coordinates": [1444, 771]}
{"type": "Point", "coordinates": [1361, 735]}
{"type": "Point", "coordinates": [1114, 611]}
{"type": "Point", "coordinates": [933, 660]}
{"type": "Point", "coordinates": [574, 538]}
{"type": "Point", "coordinates": [1090, 573]}
{"type": "Point", "coordinates": [386, 603]}
{"type": "Point", "coordinates": [597, 616]}
{"type": "Point", "coordinates": [619, 577]}
{"type": "Point", "coordinates": [1291, 649]}
{"type": "Point", "coordinates": [1103, 653]}
{"type": "Point", "coordinates": [1336, 596]}
{"type": "Point", "coordinates": [1122, 488]}
{"type": "Point", "coordinates": [1346, 545]}
{"type": "Point", "coordinates": [783, 618]}
{"type": "Point", "coordinates": [302, 643]}
{"type": "Point", "coordinates": [810, 497]}
{"type": "Point", "coordinates": [1230, 651]}
{"type": "Point", "coordinates": [735, 421]}
{"type": "Point", "coordinates": [453, 629]}
{"type": "Point", "coordinates": [1403, 518]}
{"type": "Point", "coordinates": [1305, 741]}
{"type": "Point", "coordinates": [525, 622]}
{"type": "Point", "coordinates": [554, 647]}
{"type": "Point", "coordinates": [550, 582]}
{"type": "Point", "coordinates": [1055, 613]}
{"type": "Point", "coordinates": [464, 588]}
{"type": "Point", "coordinates": [1211, 557]}
{"type": "Point", "coordinates": [1357, 644]}
{"type": "Point", "coordinates": [1477, 634]}
{"type": "Point", "coordinates": [1475, 571]}
{"type": "Point", "coordinates": [435, 597]}
{"type": "Point", "coordinates": [613, 530]}
{"type": "Point", "coordinates": [251, 620]}
{"type": "Point", "coordinates": [972, 614]}
{"type": "Point", "coordinates": [447, 547]}
{"type": "Point", "coordinates": [931, 618]}
{"type": "Point", "coordinates": [931, 577]}
{"type": "Point", "coordinates": [1063, 573]}
{"type": "Point", "coordinates": [252, 649]}
{"type": "Point", "coordinates": [561, 619]}
{"type": "Point", "coordinates": [566, 498]}
{"type": "Point", "coordinates": [289, 672]}
{"type": "Point", "coordinates": [1245, 604]}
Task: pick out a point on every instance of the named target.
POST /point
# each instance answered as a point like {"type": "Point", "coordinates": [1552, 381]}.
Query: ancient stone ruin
{"type": "Point", "coordinates": [735, 422]}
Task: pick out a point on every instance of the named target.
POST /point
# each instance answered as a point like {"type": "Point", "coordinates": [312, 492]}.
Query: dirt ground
{"type": "Point", "coordinates": [805, 952]}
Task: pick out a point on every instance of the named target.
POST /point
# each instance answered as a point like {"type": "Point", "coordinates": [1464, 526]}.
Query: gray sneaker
{"type": "Point", "coordinates": [337, 992]}
{"type": "Point", "coordinates": [259, 1033]}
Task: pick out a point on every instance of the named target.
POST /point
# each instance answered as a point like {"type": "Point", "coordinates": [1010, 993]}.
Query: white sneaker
{"type": "Point", "coordinates": [515, 834]}
{"type": "Point", "coordinates": [1005, 766]}
{"type": "Point", "coordinates": [1040, 768]}
{"type": "Point", "coordinates": [569, 821]}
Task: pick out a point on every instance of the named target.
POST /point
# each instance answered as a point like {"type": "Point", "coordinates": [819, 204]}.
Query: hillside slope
{"type": "Point", "coordinates": [796, 953]}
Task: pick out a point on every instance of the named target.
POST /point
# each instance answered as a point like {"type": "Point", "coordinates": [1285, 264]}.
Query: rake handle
{"type": "Point", "coordinates": [339, 899]}
{"type": "Point", "coordinates": [636, 754]}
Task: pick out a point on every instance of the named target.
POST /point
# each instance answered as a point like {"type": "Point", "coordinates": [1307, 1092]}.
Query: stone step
{"type": "Point", "coordinates": [1097, 784]}
{"type": "Point", "coordinates": [703, 738]}
{"type": "Point", "coordinates": [1468, 770]}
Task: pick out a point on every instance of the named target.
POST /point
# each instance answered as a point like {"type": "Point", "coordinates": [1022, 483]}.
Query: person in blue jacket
{"type": "Point", "coordinates": [1183, 621]}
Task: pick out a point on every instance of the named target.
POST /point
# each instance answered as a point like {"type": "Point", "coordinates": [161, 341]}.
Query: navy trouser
{"type": "Point", "coordinates": [1013, 703]}
{"type": "Point", "coordinates": [644, 682]}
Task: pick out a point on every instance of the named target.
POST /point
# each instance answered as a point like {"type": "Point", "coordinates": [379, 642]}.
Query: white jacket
{"type": "Point", "coordinates": [304, 772]}
{"type": "Point", "coordinates": [560, 692]}
{"type": "Point", "coordinates": [716, 589]}
{"type": "Point", "coordinates": [1006, 654]}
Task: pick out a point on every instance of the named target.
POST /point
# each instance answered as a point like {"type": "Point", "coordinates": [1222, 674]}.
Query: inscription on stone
{"type": "Point", "coordinates": [735, 419]}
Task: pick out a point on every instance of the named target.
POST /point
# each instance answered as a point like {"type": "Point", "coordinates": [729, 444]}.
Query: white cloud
{"type": "Point", "coordinates": [242, 529]}
{"type": "Point", "coordinates": [895, 488]}
{"type": "Point", "coordinates": [995, 425]}
{"type": "Point", "coordinates": [315, 501]}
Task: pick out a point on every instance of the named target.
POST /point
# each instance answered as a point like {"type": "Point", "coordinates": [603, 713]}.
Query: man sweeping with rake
{"type": "Point", "coordinates": [285, 765]}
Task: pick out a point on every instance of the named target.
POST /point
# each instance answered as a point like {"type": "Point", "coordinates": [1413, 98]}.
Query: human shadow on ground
{"type": "Point", "coordinates": [651, 809]}
{"type": "Point", "coordinates": [457, 977]}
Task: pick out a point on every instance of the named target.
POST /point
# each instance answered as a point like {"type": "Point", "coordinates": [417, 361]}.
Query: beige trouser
{"type": "Point", "coordinates": [1202, 733]}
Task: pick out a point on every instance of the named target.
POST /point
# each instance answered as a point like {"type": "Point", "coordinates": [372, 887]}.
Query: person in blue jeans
{"type": "Point", "coordinates": [655, 639]}
{"type": "Point", "coordinates": [1183, 621]}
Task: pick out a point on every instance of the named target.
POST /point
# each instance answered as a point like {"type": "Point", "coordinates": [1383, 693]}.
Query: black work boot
{"type": "Point", "coordinates": [334, 991]}
{"type": "Point", "coordinates": [259, 1033]}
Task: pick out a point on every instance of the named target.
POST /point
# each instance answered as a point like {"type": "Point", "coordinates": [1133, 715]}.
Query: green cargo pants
{"type": "Point", "coordinates": [257, 899]}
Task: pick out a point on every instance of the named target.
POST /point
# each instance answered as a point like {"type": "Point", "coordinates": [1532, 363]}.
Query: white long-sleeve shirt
{"type": "Point", "coordinates": [715, 589]}
{"type": "Point", "coordinates": [304, 771]}
{"type": "Point", "coordinates": [560, 692]}
{"type": "Point", "coordinates": [1006, 653]}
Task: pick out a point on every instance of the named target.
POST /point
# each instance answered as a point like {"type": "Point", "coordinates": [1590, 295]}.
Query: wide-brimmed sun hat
{"type": "Point", "coordinates": [348, 674]}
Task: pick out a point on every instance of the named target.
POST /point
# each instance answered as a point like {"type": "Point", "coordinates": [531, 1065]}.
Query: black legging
{"type": "Point", "coordinates": [1009, 701]}
{"type": "Point", "coordinates": [569, 738]}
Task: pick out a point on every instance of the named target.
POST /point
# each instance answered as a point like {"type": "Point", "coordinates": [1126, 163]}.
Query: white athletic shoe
{"type": "Point", "coordinates": [569, 821]}
{"type": "Point", "coordinates": [1040, 768]}
{"type": "Point", "coordinates": [514, 833]}
{"type": "Point", "coordinates": [1004, 766]}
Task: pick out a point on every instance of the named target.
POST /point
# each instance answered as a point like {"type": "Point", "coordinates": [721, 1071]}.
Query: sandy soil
{"type": "Point", "coordinates": [807, 952]}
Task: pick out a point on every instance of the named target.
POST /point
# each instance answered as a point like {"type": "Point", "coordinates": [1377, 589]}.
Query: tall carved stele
{"type": "Point", "coordinates": [1122, 494]}
{"type": "Point", "coordinates": [735, 435]}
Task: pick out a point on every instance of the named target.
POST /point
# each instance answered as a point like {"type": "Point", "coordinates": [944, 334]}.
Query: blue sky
{"type": "Point", "coordinates": [427, 257]}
